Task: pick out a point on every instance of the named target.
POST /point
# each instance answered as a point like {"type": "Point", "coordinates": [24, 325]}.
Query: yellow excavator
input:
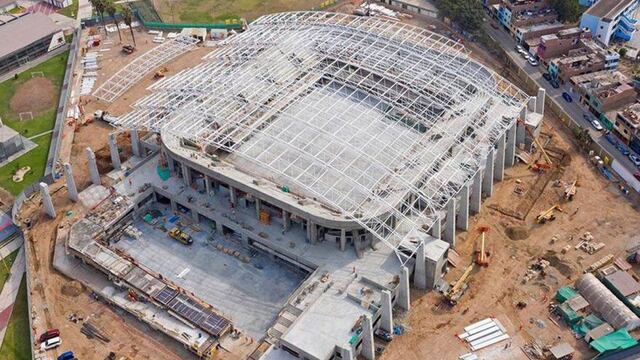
{"type": "Point", "coordinates": [548, 215]}
{"type": "Point", "coordinates": [570, 191]}
{"type": "Point", "coordinates": [456, 291]}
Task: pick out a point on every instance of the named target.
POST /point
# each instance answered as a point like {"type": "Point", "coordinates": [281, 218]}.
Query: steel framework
{"type": "Point", "coordinates": [383, 121]}
{"type": "Point", "coordinates": [143, 65]}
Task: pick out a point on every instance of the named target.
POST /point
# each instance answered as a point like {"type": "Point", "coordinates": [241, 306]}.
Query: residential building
{"type": "Point", "coordinates": [514, 14]}
{"type": "Point", "coordinates": [611, 20]}
{"type": "Point", "coordinates": [627, 123]}
{"type": "Point", "coordinates": [554, 45]}
{"type": "Point", "coordinates": [7, 5]}
{"type": "Point", "coordinates": [589, 58]}
{"type": "Point", "coordinates": [27, 37]}
{"type": "Point", "coordinates": [536, 31]}
{"type": "Point", "coordinates": [604, 91]}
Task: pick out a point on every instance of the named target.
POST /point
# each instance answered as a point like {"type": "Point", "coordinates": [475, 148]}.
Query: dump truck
{"type": "Point", "coordinates": [181, 236]}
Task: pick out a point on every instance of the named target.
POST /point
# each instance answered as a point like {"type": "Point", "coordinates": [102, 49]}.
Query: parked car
{"type": "Point", "coordinates": [567, 97]}
{"type": "Point", "coordinates": [596, 125]}
{"type": "Point", "coordinates": [519, 48]}
{"type": "Point", "coordinates": [555, 84]}
{"type": "Point", "coordinates": [612, 140]}
{"type": "Point", "coordinates": [635, 159]}
{"type": "Point", "coordinates": [383, 335]}
{"type": "Point", "coordinates": [49, 334]}
{"type": "Point", "coordinates": [526, 55]}
{"type": "Point", "coordinates": [66, 356]}
{"type": "Point", "coordinates": [494, 25]}
{"type": "Point", "coordinates": [533, 62]}
{"type": "Point", "coordinates": [51, 343]}
{"type": "Point", "coordinates": [637, 175]}
{"type": "Point", "coordinates": [623, 149]}
{"type": "Point", "coordinates": [547, 76]}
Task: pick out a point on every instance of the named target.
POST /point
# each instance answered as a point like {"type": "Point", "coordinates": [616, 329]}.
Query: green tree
{"type": "Point", "coordinates": [127, 17]}
{"type": "Point", "coordinates": [111, 10]}
{"type": "Point", "coordinates": [623, 52]}
{"type": "Point", "coordinates": [100, 6]}
{"type": "Point", "coordinates": [568, 10]}
{"type": "Point", "coordinates": [466, 13]}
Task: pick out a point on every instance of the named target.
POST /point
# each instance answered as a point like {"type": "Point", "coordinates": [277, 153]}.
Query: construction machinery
{"type": "Point", "coordinates": [548, 215]}
{"type": "Point", "coordinates": [181, 236]}
{"type": "Point", "coordinates": [570, 191]}
{"type": "Point", "coordinates": [483, 251]}
{"type": "Point", "coordinates": [457, 289]}
{"type": "Point", "coordinates": [540, 167]}
{"type": "Point", "coordinates": [128, 49]}
{"type": "Point", "coordinates": [160, 73]}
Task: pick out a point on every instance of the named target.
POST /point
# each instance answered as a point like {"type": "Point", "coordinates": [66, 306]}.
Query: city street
{"type": "Point", "coordinates": [574, 109]}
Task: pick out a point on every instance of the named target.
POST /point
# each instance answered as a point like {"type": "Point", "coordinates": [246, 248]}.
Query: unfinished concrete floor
{"type": "Point", "coordinates": [251, 294]}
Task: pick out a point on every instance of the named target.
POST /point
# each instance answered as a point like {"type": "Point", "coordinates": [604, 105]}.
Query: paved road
{"type": "Point", "coordinates": [574, 110]}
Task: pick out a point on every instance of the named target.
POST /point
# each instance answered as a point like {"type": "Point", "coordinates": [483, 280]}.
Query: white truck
{"type": "Point", "coordinates": [104, 116]}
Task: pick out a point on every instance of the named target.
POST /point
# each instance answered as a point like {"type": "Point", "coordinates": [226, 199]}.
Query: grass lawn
{"type": "Point", "coordinates": [71, 10]}
{"type": "Point", "coordinates": [4, 271]}
{"type": "Point", "coordinates": [214, 11]}
{"type": "Point", "coordinates": [53, 69]}
{"type": "Point", "coordinates": [17, 343]}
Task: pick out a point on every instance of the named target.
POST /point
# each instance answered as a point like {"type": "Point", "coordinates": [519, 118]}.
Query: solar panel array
{"type": "Point", "coordinates": [192, 311]}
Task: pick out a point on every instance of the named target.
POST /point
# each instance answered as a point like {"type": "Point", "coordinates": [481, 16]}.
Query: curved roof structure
{"type": "Point", "coordinates": [604, 302]}
{"type": "Point", "coordinates": [381, 121]}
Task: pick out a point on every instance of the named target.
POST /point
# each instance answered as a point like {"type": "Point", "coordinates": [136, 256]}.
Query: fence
{"type": "Point", "coordinates": [61, 115]}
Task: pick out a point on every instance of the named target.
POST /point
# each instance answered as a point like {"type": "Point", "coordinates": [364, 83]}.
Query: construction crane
{"type": "Point", "coordinates": [548, 215]}
{"type": "Point", "coordinates": [458, 288]}
{"type": "Point", "coordinates": [570, 191]}
{"type": "Point", "coordinates": [482, 249]}
{"type": "Point", "coordinates": [539, 145]}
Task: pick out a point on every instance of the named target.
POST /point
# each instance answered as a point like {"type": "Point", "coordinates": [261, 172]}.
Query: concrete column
{"type": "Point", "coordinates": [346, 353]}
{"type": "Point", "coordinates": [520, 127]}
{"type": "Point", "coordinates": [46, 200]}
{"type": "Point", "coordinates": [343, 239]}
{"type": "Point", "coordinates": [195, 215]}
{"type": "Point", "coordinates": [93, 166]}
{"type": "Point", "coordinates": [368, 347]}
{"type": "Point", "coordinates": [186, 174]}
{"type": "Point", "coordinates": [532, 105]}
{"type": "Point", "coordinates": [219, 229]}
{"type": "Point", "coordinates": [174, 205]}
{"type": "Point", "coordinates": [540, 100]}
{"type": "Point", "coordinates": [450, 225]}
{"type": "Point", "coordinates": [510, 152]}
{"type": "Point", "coordinates": [436, 229]}
{"type": "Point", "coordinates": [135, 143]}
{"type": "Point", "coordinates": [404, 300]}
{"type": "Point", "coordinates": [487, 180]}
{"type": "Point", "coordinates": [420, 273]}
{"type": "Point", "coordinates": [207, 184]}
{"type": "Point", "coordinates": [258, 207]}
{"type": "Point", "coordinates": [72, 190]}
{"type": "Point", "coordinates": [115, 155]}
{"type": "Point", "coordinates": [286, 220]}
{"type": "Point", "coordinates": [476, 193]}
{"type": "Point", "coordinates": [462, 220]}
{"type": "Point", "coordinates": [498, 173]}
{"type": "Point", "coordinates": [312, 232]}
{"type": "Point", "coordinates": [386, 320]}
{"type": "Point", "coordinates": [232, 196]}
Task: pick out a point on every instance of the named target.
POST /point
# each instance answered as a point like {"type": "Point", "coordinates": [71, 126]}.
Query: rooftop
{"type": "Point", "coordinates": [632, 114]}
{"type": "Point", "coordinates": [357, 114]}
{"type": "Point", "coordinates": [608, 9]}
{"type": "Point", "coordinates": [23, 31]}
{"type": "Point", "coordinates": [624, 283]}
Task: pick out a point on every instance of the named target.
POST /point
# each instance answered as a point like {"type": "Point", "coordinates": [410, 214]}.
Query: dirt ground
{"type": "Point", "coordinates": [36, 95]}
{"type": "Point", "coordinates": [598, 207]}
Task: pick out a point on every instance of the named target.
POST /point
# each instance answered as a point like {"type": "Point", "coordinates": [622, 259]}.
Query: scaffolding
{"type": "Point", "coordinates": [383, 121]}
{"type": "Point", "coordinates": [143, 65]}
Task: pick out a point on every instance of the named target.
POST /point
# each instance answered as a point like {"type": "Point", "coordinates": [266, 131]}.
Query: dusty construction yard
{"type": "Point", "coordinates": [598, 207]}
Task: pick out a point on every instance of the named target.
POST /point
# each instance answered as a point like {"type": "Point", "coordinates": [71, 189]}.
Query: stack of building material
{"type": "Point", "coordinates": [484, 333]}
{"type": "Point", "coordinates": [89, 74]}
